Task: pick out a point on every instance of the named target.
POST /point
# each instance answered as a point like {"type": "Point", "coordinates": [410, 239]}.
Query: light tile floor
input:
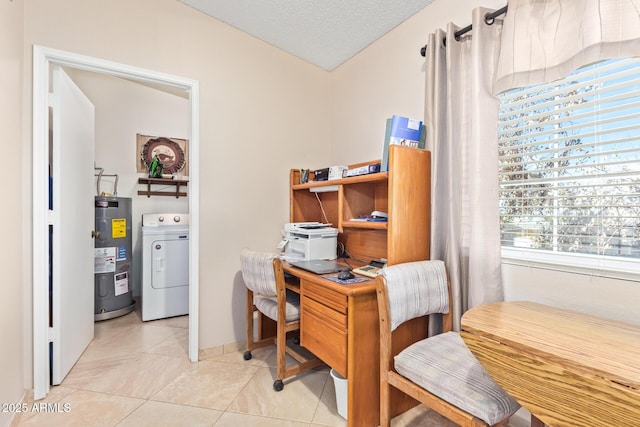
{"type": "Point", "coordinates": [138, 373]}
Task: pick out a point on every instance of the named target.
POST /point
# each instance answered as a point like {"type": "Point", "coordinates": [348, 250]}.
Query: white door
{"type": "Point", "coordinates": [72, 127]}
{"type": "Point", "coordinates": [43, 58]}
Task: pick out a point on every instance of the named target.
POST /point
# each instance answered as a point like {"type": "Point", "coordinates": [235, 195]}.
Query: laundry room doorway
{"type": "Point", "coordinates": [45, 218]}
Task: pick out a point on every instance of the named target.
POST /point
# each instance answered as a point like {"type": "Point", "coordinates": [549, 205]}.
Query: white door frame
{"type": "Point", "coordinates": [43, 57]}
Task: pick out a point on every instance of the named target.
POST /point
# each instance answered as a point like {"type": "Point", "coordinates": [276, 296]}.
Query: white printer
{"type": "Point", "coordinates": [309, 241]}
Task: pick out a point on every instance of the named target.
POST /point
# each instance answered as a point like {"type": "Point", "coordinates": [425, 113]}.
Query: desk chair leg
{"type": "Point", "coordinates": [281, 350]}
{"type": "Point", "coordinates": [250, 309]}
{"type": "Point", "coordinates": [385, 418]}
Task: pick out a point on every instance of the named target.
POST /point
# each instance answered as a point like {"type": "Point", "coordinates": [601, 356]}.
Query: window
{"type": "Point", "coordinates": [569, 167]}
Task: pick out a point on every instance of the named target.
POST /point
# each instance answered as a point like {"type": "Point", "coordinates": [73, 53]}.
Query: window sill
{"type": "Point", "coordinates": [591, 265]}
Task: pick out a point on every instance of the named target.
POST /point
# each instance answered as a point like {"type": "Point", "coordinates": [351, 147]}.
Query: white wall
{"type": "Point", "coordinates": [123, 109]}
{"type": "Point", "coordinates": [14, 303]}
{"type": "Point", "coordinates": [387, 78]}
{"type": "Point", "coordinates": [600, 296]}
{"type": "Point", "coordinates": [262, 112]}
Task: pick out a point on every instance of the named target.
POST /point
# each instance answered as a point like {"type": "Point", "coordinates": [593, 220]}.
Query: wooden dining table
{"type": "Point", "coordinates": [566, 368]}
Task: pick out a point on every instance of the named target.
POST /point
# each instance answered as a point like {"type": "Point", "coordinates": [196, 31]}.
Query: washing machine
{"type": "Point", "coordinates": [165, 265]}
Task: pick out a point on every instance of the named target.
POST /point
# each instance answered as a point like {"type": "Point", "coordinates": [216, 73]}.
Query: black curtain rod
{"type": "Point", "coordinates": [488, 19]}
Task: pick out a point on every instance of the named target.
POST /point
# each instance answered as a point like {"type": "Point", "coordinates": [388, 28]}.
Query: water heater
{"type": "Point", "coordinates": [113, 258]}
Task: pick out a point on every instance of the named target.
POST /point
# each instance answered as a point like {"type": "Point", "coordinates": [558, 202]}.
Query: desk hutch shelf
{"type": "Point", "coordinates": [164, 182]}
{"type": "Point", "coordinates": [403, 192]}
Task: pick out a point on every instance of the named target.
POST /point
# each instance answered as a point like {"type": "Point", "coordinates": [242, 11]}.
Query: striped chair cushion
{"type": "Point", "coordinates": [444, 366]}
{"type": "Point", "coordinates": [258, 275]}
{"type": "Point", "coordinates": [269, 306]}
{"type": "Point", "coordinates": [257, 272]}
{"type": "Point", "coordinates": [415, 289]}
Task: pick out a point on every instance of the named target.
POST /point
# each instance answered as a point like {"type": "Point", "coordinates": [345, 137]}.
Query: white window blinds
{"type": "Point", "coordinates": [569, 162]}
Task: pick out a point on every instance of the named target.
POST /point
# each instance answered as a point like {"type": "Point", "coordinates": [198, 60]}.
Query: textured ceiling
{"type": "Point", "coordinates": [323, 32]}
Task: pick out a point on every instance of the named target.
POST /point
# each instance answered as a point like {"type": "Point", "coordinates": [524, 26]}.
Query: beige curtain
{"type": "Point", "coordinates": [461, 119]}
{"type": "Point", "coordinates": [543, 41]}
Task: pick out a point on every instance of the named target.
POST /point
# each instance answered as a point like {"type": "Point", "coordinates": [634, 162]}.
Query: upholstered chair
{"type": "Point", "coordinates": [439, 371]}
{"type": "Point", "coordinates": [279, 313]}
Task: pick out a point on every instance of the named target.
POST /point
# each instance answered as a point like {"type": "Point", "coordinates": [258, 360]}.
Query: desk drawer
{"type": "Point", "coordinates": [324, 332]}
{"type": "Point", "coordinates": [326, 296]}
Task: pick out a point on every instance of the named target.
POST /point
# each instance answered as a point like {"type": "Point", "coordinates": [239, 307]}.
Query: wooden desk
{"type": "Point", "coordinates": [566, 368]}
{"type": "Point", "coordinates": [339, 324]}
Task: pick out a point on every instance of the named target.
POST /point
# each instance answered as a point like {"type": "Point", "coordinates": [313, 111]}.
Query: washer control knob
{"type": "Point", "coordinates": [161, 219]}
{"type": "Point", "coordinates": [176, 218]}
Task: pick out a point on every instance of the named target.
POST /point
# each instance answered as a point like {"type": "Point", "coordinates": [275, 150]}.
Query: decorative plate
{"type": "Point", "coordinates": [169, 153]}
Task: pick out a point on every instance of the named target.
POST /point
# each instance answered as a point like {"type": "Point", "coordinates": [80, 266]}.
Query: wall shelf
{"type": "Point", "coordinates": [165, 182]}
